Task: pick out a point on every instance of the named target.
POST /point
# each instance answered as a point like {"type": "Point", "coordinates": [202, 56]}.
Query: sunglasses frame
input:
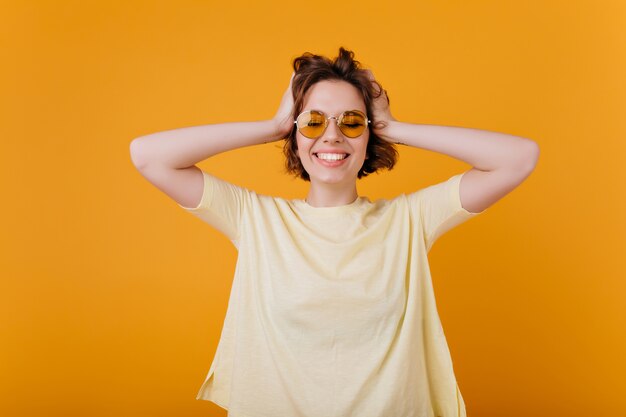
{"type": "Point", "coordinates": [338, 120]}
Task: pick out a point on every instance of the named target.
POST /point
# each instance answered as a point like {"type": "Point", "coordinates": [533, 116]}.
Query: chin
{"type": "Point", "coordinates": [329, 178]}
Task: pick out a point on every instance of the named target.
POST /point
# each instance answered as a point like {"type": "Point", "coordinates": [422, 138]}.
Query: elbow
{"type": "Point", "coordinates": [137, 155]}
{"type": "Point", "coordinates": [529, 157]}
{"type": "Point", "coordinates": [533, 153]}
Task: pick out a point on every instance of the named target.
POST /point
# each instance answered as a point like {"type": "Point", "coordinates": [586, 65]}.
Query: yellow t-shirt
{"type": "Point", "coordinates": [332, 311]}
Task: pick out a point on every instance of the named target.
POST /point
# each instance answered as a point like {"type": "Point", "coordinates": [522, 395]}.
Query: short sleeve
{"type": "Point", "coordinates": [439, 207]}
{"type": "Point", "coordinates": [222, 206]}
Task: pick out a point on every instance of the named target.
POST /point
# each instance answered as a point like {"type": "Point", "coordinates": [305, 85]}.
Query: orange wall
{"type": "Point", "coordinates": [113, 297]}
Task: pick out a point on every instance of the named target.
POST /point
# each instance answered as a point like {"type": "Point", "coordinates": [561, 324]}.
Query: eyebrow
{"type": "Point", "coordinates": [336, 115]}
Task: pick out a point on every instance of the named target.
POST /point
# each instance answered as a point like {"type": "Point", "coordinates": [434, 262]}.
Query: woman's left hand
{"type": "Point", "coordinates": [380, 106]}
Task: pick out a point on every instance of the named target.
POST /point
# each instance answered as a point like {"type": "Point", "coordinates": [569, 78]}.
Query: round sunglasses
{"type": "Point", "coordinates": [313, 123]}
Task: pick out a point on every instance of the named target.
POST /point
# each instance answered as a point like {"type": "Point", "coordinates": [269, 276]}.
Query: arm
{"type": "Point", "coordinates": [484, 150]}
{"type": "Point", "coordinates": [167, 159]}
{"type": "Point", "coordinates": [500, 161]}
{"type": "Point", "coordinates": [184, 147]}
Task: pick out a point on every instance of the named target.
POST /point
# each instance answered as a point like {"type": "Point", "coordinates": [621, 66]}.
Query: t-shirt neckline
{"type": "Point", "coordinates": [334, 210]}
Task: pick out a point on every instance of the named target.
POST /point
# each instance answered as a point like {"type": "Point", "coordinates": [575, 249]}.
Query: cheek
{"type": "Point", "coordinates": [303, 147]}
{"type": "Point", "coordinates": [363, 146]}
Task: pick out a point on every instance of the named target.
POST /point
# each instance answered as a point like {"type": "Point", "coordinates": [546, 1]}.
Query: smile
{"type": "Point", "coordinates": [331, 159]}
{"type": "Point", "coordinates": [331, 156]}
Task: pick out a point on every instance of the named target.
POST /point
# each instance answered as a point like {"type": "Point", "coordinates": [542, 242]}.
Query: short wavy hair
{"type": "Point", "coordinates": [311, 68]}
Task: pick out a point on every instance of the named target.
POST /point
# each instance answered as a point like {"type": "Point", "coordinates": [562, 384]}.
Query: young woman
{"type": "Point", "coordinates": [332, 311]}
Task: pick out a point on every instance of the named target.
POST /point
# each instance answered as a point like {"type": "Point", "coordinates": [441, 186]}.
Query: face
{"type": "Point", "coordinates": [333, 98]}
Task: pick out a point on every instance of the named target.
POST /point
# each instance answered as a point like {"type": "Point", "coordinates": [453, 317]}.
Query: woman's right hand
{"type": "Point", "coordinates": [283, 120]}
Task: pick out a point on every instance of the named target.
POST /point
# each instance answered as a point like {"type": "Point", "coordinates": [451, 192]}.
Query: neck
{"type": "Point", "coordinates": [331, 196]}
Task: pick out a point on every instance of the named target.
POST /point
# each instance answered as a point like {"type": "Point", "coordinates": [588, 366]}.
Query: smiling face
{"type": "Point", "coordinates": [333, 98]}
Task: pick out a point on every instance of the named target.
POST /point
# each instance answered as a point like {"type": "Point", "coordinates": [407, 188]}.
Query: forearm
{"type": "Point", "coordinates": [483, 149]}
{"type": "Point", "coordinates": [184, 147]}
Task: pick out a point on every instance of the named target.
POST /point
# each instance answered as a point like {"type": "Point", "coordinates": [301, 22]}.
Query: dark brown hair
{"type": "Point", "coordinates": [310, 69]}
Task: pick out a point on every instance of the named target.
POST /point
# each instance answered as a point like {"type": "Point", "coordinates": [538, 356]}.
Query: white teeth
{"type": "Point", "coordinates": [332, 156]}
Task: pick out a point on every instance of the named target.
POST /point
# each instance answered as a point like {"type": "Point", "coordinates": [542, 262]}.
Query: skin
{"type": "Point", "coordinates": [167, 159]}
{"type": "Point", "coordinates": [333, 186]}
{"type": "Point", "coordinates": [500, 162]}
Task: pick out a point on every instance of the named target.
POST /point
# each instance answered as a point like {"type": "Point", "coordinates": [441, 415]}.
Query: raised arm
{"type": "Point", "coordinates": [500, 161]}
{"type": "Point", "coordinates": [167, 159]}
{"type": "Point", "coordinates": [185, 147]}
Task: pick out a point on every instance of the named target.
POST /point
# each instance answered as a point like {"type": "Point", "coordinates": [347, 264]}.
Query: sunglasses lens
{"type": "Point", "coordinates": [311, 124]}
{"type": "Point", "coordinates": [353, 124]}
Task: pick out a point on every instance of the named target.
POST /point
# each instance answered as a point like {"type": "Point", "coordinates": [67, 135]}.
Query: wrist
{"type": "Point", "coordinates": [277, 132]}
{"type": "Point", "coordinates": [387, 132]}
{"type": "Point", "coordinates": [281, 128]}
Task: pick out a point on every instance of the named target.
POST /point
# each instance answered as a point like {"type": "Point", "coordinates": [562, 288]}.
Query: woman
{"type": "Point", "coordinates": [332, 310]}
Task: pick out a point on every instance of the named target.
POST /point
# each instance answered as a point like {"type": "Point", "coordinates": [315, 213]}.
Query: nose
{"type": "Point", "coordinates": [333, 133]}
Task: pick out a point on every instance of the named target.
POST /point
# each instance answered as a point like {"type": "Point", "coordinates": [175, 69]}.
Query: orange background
{"type": "Point", "coordinates": [113, 297]}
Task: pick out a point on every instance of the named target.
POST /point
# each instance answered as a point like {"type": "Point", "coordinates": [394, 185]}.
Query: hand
{"type": "Point", "coordinates": [380, 106]}
{"type": "Point", "coordinates": [283, 120]}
